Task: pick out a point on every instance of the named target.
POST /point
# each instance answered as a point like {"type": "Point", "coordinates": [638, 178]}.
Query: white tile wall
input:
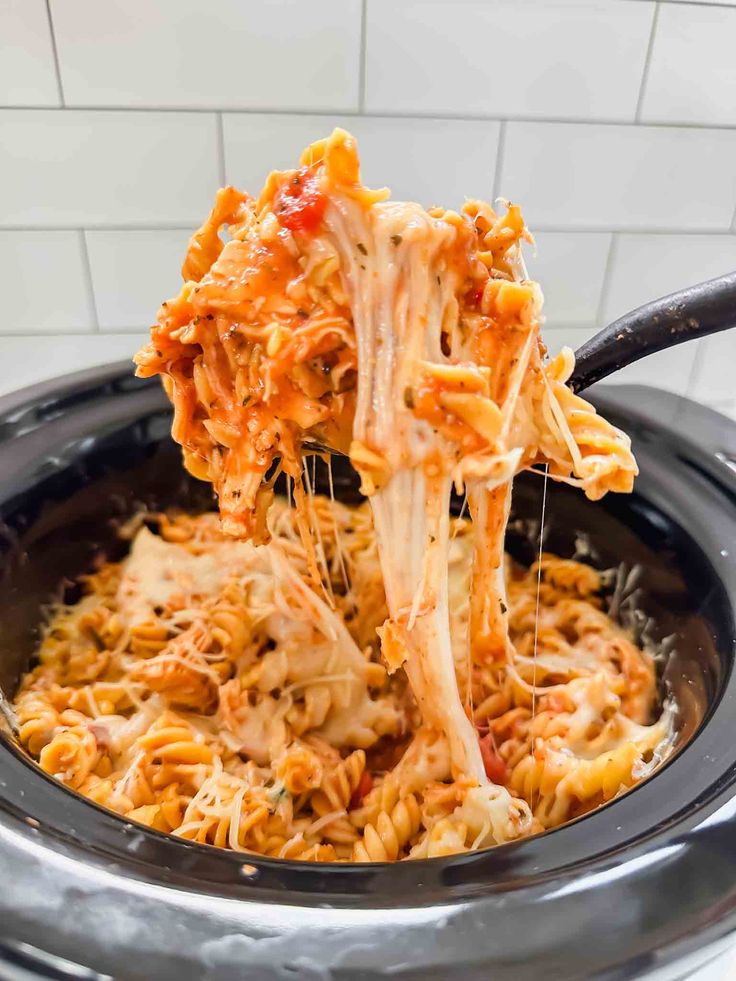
{"type": "Point", "coordinates": [417, 158]}
{"type": "Point", "coordinates": [558, 337]}
{"type": "Point", "coordinates": [579, 60]}
{"type": "Point", "coordinates": [27, 70]}
{"type": "Point", "coordinates": [593, 176]}
{"type": "Point", "coordinates": [45, 282]}
{"type": "Point", "coordinates": [692, 76]}
{"type": "Point", "coordinates": [97, 168]}
{"type": "Point", "coordinates": [670, 369]}
{"type": "Point", "coordinates": [728, 408]}
{"type": "Point", "coordinates": [616, 130]}
{"type": "Point", "coordinates": [571, 267]}
{"type": "Point", "coordinates": [644, 267]}
{"type": "Point", "coordinates": [715, 380]}
{"type": "Point", "coordinates": [674, 370]}
{"type": "Point", "coordinates": [60, 355]}
{"type": "Point", "coordinates": [225, 54]}
{"type": "Point", "coordinates": [133, 272]}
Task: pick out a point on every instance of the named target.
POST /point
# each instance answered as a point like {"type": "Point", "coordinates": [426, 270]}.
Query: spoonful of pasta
{"type": "Point", "coordinates": [686, 315]}
{"type": "Point", "coordinates": [409, 338]}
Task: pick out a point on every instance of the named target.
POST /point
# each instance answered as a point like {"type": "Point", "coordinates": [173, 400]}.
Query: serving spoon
{"type": "Point", "coordinates": [696, 311]}
{"type": "Point", "coordinates": [693, 312]}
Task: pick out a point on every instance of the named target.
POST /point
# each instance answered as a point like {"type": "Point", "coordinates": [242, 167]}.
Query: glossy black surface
{"type": "Point", "coordinates": [618, 891]}
{"type": "Point", "coordinates": [696, 311]}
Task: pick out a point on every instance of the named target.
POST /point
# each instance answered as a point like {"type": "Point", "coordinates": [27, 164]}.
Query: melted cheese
{"type": "Point", "coordinates": [344, 317]}
{"type": "Point", "coordinates": [156, 570]}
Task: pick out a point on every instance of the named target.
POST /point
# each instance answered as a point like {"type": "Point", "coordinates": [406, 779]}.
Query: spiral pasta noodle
{"type": "Point", "coordinates": [222, 736]}
{"type": "Point", "coordinates": [322, 683]}
{"type": "Point", "coordinates": [384, 840]}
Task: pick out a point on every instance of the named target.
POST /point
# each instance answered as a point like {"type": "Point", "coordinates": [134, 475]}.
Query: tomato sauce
{"type": "Point", "coordinates": [495, 767]}
{"type": "Point", "coordinates": [299, 204]}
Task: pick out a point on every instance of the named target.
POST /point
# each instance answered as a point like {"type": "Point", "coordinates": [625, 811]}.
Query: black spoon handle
{"type": "Point", "coordinates": [693, 312]}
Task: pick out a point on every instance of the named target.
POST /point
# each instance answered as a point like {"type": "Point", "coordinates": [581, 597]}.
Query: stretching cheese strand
{"type": "Point", "coordinates": [408, 338]}
{"type": "Point", "coordinates": [203, 687]}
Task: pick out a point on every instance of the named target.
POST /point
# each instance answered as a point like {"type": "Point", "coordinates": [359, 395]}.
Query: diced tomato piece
{"type": "Point", "coordinates": [495, 767]}
{"type": "Point", "coordinates": [299, 204]}
{"type": "Point", "coordinates": [474, 296]}
{"type": "Point", "coordinates": [365, 784]}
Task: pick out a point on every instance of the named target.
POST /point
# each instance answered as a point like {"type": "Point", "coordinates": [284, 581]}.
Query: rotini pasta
{"type": "Point", "coordinates": [214, 736]}
{"type": "Point", "coordinates": [324, 683]}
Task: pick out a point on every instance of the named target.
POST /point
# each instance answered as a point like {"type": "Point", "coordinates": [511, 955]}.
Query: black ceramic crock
{"type": "Point", "coordinates": [643, 886]}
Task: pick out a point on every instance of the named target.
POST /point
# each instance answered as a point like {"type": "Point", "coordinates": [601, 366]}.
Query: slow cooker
{"type": "Point", "coordinates": [644, 886]}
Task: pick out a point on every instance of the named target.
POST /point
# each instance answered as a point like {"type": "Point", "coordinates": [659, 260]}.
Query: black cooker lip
{"type": "Point", "coordinates": [658, 871]}
{"type": "Point", "coordinates": [599, 862]}
{"type": "Point", "coordinates": [641, 821]}
{"type": "Point", "coordinates": [645, 821]}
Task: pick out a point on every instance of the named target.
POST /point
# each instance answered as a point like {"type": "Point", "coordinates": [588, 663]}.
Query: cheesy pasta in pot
{"type": "Point", "coordinates": [309, 681]}
{"type": "Point", "coordinates": [204, 688]}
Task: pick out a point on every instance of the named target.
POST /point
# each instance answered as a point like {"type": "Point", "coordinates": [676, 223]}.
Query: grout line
{"type": "Point", "coordinates": [55, 53]}
{"type": "Point", "coordinates": [628, 230]}
{"type": "Point", "coordinates": [555, 326]}
{"type": "Point", "coordinates": [220, 149]}
{"type": "Point", "coordinates": [50, 334]}
{"type": "Point", "coordinates": [362, 60]}
{"type": "Point", "coordinates": [87, 274]}
{"type": "Point", "coordinates": [388, 114]}
{"type": "Point", "coordinates": [699, 3]}
{"type": "Point", "coordinates": [606, 284]}
{"type": "Point", "coordinates": [548, 328]}
{"type": "Point", "coordinates": [178, 226]}
{"type": "Point", "coordinates": [179, 110]}
{"type": "Point", "coordinates": [695, 368]}
{"type": "Point", "coordinates": [499, 162]}
{"type": "Point", "coordinates": [647, 65]}
{"type": "Point", "coordinates": [155, 227]}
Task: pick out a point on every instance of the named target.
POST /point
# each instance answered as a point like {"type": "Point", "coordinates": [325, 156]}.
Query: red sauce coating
{"type": "Point", "coordinates": [365, 784]}
{"type": "Point", "coordinates": [299, 204]}
{"type": "Point", "coordinates": [494, 766]}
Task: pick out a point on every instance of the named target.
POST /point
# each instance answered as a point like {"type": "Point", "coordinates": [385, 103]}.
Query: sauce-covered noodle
{"type": "Point", "coordinates": [408, 339]}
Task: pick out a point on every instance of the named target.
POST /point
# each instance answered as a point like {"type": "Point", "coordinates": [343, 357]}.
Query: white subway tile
{"type": "Point", "coordinates": [570, 267]}
{"type": "Point", "coordinates": [260, 54]}
{"type": "Point", "coordinates": [419, 160]}
{"type": "Point", "coordinates": [133, 272]}
{"type": "Point", "coordinates": [645, 267]}
{"type": "Point", "coordinates": [670, 370]}
{"type": "Point", "coordinates": [578, 60]}
{"type": "Point", "coordinates": [558, 337]}
{"type": "Point", "coordinates": [27, 73]}
{"type": "Point", "coordinates": [727, 408]}
{"type": "Point", "coordinates": [73, 167]}
{"type": "Point", "coordinates": [416, 158]}
{"type": "Point", "coordinates": [714, 379]}
{"type": "Point", "coordinates": [587, 176]}
{"type": "Point", "coordinates": [710, 3]}
{"type": "Point", "coordinates": [45, 283]}
{"type": "Point", "coordinates": [692, 74]}
{"type": "Point", "coordinates": [256, 143]}
{"type": "Point", "coordinates": [27, 361]}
